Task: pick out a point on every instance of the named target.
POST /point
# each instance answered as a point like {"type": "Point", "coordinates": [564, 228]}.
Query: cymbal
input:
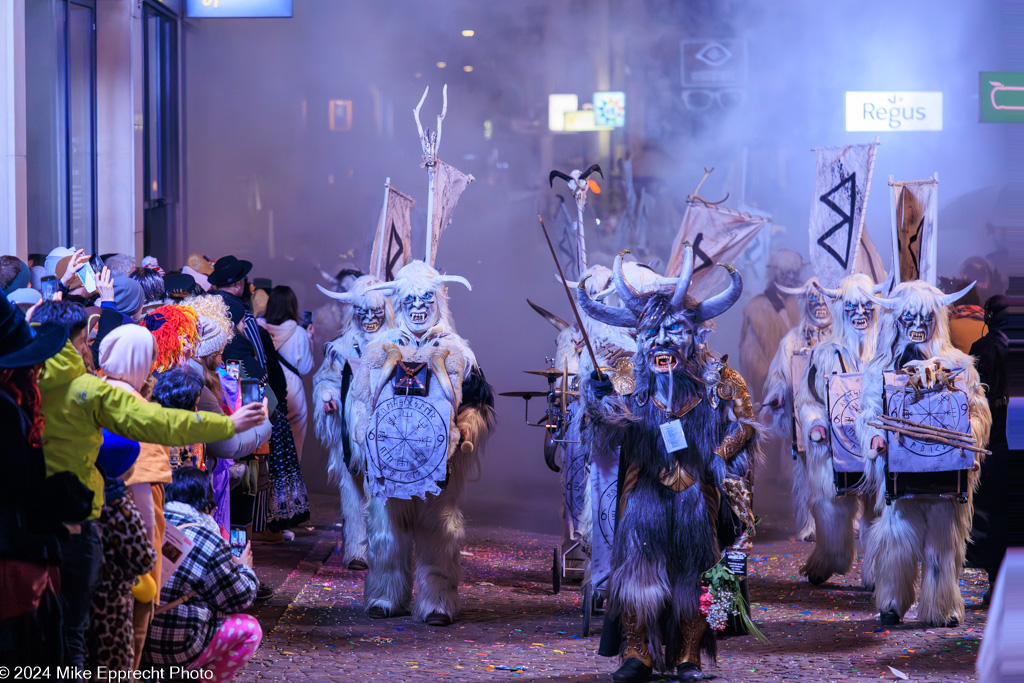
{"type": "Point", "coordinates": [548, 372]}
{"type": "Point", "coordinates": [524, 394]}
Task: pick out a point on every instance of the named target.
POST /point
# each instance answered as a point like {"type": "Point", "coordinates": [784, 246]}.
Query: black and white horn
{"type": "Point", "coordinates": [832, 294]}
{"type": "Point", "coordinates": [593, 168]}
{"type": "Point", "coordinates": [549, 316]}
{"type": "Point", "coordinates": [679, 295]}
{"type": "Point", "coordinates": [558, 174]}
{"type": "Point", "coordinates": [720, 303]}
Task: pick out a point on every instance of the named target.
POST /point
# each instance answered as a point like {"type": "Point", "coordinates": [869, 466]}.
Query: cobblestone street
{"type": "Point", "coordinates": [512, 627]}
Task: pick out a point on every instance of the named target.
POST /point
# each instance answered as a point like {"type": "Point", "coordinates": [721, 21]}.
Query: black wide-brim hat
{"type": "Point", "coordinates": [21, 345]}
{"type": "Point", "coordinates": [228, 270]}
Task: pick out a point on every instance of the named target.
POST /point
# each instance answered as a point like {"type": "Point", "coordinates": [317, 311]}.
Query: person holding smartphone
{"type": "Point", "coordinates": [201, 624]}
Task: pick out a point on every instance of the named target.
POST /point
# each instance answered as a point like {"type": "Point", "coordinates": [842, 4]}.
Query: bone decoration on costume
{"type": "Point", "coordinates": [928, 530]}
{"type": "Point", "coordinates": [367, 315]}
{"type": "Point", "coordinates": [418, 388]}
{"type": "Point", "coordinates": [848, 347]}
{"type": "Point", "coordinates": [579, 184]}
{"type": "Point", "coordinates": [793, 353]}
{"type": "Point", "coordinates": [687, 427]}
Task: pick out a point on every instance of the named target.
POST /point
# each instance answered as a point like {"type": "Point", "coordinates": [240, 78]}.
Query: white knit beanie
{"type": "Point", "coordinates": [212, 337]}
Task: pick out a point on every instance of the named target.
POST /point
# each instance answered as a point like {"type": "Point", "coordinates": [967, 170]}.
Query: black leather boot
{"type": "Point", "coordinates": [890, 617]}
{"type": "Point", "coordinates": [688, 671]}
{"type": "Point", "coordinates": [632, 671]}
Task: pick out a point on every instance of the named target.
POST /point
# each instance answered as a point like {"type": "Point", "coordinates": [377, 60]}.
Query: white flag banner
{"type": "Point", "coordinates": [915, 229]}
{"type": "Point", "coordinates": [716, 234]}
{"type": "Point", "coordinates": [841, 187]}
{"type": "Point", "coordinates": [449, 184]}
{"type": "Point", "coordinates": [392, 246]}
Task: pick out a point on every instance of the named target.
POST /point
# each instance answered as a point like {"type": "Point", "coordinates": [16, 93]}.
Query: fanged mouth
{"type": "Point", "coordinates": [418, 317]}
{"type": "Point", "coordinates": [664, 362]}
{"type": "Point", "coordinates": [859, 323]}
{"type": "Point", "coordinates": [916, 336]}
{"type": "Point", "coordinates": [821, 313]}
{"type": "Point", "coordinates": [371, 327]}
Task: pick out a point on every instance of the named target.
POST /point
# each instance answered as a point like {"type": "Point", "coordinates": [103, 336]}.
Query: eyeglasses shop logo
{"type": "Point", "coordinates": [893, 111]}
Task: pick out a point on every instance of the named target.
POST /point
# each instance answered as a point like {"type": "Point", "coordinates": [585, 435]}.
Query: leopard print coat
{"type": "Point", "coordinates": [127, 554]}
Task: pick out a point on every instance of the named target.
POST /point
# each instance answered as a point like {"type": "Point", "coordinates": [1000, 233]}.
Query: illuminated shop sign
{"type": "Point", "coordinates": [610, 109]}
{"type": "Point", "coordinates": [893, 111]}
{"type": "Point", "coordinates": [1001, 96]}
{"type": "Point", "coordinates": [219, 9]}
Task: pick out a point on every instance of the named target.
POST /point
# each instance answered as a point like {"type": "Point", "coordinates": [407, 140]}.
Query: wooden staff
{"type": "Point", "coordinates": [930, 437]}
{"type": "Point", "coordinates": [941, 430]}
{"type": "Point", "coordinates": [572, 302]}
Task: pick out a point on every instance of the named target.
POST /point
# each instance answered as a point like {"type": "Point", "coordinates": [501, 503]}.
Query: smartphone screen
{"type": "Point", "coordinates": [238, 541]}
{"type": "Point", "coordinates": [250, 391]}
{"type": "Point", "coordinates": [307, 318]}
{"type": "Point", "coordinates": [232, 367]}
{"type": "Point", "coordinates": [88, 277]}
{"type": "Point", "coordinates": [49, 287]}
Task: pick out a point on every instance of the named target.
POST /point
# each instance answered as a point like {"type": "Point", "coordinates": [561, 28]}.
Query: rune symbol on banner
{"type": "Point", "coordinates": [705, 261]}
{"type": "Point", "coordinates": [395, 251]}
{"type": "Point", "coordinates": [850, 184]}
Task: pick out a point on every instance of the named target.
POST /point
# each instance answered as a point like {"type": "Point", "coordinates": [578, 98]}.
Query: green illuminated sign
{"type": "Point", "coordinates": [1001, 96]}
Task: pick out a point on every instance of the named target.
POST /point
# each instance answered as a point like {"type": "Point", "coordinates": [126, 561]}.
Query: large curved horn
{"type": "Point", "coordinates": [880, 301]}
{"type": "Point", "coordinates": [604, 293]}
{"type": "Point", "coordinates": [390, 288]}
{"type": "Point", "coordinates": [609, 315]}
{"type": "Point", "coordinates": [390, 363]}
{"type": "Point", "coordinates": [720, 303]}
{"type": "Point", "coordinates": [347, 297]}
{"type": "Point", "coordinates": [948, 299]}
{"type": "Point", "coordinates": [679, 295]}
{"type": "Point", "coordinates": [558, 174]}
{"type": "Point", "coordinates": [626, 291]}
{"type": "Point", "coordinates": [549, 316]}
{"type": "Point", "coordinates": [792, 291]}
{"type": "Point", "coordinates": [456, 278]}
{"type": "Point", "coordinates": [832, 294]}
{"type": "Point", "coordinates": [592, 169]}
{"type": "Point", "coordinates": [571, 284]}
{"type": "Point", "coordinates": [437, 365]}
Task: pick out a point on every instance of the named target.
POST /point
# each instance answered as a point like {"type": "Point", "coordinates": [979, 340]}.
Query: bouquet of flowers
{"type": "Point", "coordinates": [722, 598]}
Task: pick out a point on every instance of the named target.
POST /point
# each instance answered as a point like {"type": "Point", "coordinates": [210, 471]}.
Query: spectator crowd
{"type": "Point", "coordinates": [153, 424]}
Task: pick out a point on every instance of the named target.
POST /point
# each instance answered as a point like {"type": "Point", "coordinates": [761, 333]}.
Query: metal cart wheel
{"type": "Point", "coordinates": [556, 571]}
{"type": "Point", "coordinates": [588, 607]}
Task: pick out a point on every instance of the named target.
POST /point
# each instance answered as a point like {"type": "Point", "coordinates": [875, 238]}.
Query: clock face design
{"type": "Point", "coordinates": [408, 440]}
{"type": "Point", "coordinates": [606, 521]}
{"type": "Point", "coordinates": [577, 479]}
{"type": "Point", "coordinates": [843, 416]}
{"type": "Point", "coordinates": [939, 409]}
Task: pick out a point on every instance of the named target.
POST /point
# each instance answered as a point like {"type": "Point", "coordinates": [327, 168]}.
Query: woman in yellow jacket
{"type": "Point", "coordinates": [77, 407]}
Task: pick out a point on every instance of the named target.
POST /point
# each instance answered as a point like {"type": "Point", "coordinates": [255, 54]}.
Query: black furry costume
{"type": "Point", "coordinates": [670, 503]}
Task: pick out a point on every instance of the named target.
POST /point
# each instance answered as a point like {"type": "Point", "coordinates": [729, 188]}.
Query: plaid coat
{"type": "Point", "coordinates": [222, 587]}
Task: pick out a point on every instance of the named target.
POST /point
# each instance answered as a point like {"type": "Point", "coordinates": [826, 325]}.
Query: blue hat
{"type": "Point", "coordinates": [117, 455]}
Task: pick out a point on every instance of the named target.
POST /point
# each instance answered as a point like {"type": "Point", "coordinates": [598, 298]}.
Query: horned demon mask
{"type": "Point", "coordinates": [816, 312]}
{"type": "Point", "coordinates": [916, 312]}
{"type": "Point", "coordinates": [371, 310]}
{"type": "Point", "coordinates": [670, 325]}
{"type": "Point", "coordinates": [852, 303]}
{"type": "Point", "coordinates": [419, 296]}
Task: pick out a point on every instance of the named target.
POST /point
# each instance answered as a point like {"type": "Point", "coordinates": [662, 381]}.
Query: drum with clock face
{"type": "Point", "coordinates": [843, 400]}
{"type": "Point", "coordinates": [407, 442]}
{"type": "Point", "coordinates": [917, 467]}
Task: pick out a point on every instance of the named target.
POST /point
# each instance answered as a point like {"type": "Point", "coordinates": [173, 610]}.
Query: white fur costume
{"type": "Point", "coordinates": [921, 530]}
{"type": "Point", "coordinates": [427, 534]}
{"type": "Point", "coordinates": [331, 429]}
{"type": "Point", "coordinates": [847, 349]}
{"type": "Point", "coordinates": [815, 324]}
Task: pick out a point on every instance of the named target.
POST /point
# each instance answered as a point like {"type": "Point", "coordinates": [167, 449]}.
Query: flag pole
{"type": "Point", "coordinates": [572, 301]}
{"type": "Point", "coordinates": [375, 266]}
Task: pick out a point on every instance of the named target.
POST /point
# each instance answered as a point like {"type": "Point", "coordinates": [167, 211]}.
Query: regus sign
{"type": "Point", "coordinates": [893, 111]}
